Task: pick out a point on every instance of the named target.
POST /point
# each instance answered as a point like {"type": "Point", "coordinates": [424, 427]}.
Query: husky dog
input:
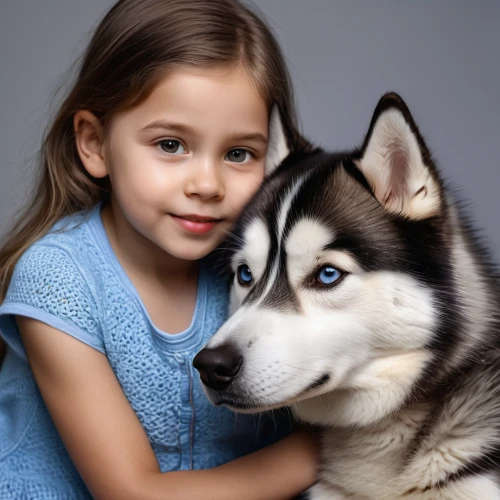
{"type": "Point", "coordinates": [362, 299]}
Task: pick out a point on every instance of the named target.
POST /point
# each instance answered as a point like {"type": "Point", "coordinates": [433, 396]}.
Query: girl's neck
{"type": "Point", "coordinates": [167, 286]}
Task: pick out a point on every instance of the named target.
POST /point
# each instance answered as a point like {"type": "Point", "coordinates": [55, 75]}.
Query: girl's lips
{"type": "Point", "coordinates": [194, 224]}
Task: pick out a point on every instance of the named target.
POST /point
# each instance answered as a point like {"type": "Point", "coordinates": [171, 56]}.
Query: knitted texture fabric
{"type": "Point", "coordinates": [72, 280]}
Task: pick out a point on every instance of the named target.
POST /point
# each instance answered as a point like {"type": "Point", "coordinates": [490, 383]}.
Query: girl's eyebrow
{"type": "Point", "coordinates": [176, 127]}
{"type": "Point", "coordinates": [186, 129]}
{"type": "Point", "coordinates": [257, 137]}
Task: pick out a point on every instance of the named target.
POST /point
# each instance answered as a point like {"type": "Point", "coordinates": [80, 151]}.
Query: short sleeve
{"type": "Point", "coordinates": [47, 285]}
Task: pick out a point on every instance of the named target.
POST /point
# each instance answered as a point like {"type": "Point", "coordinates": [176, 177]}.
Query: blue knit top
{"type": "Point", "coordinates": [72, 280]}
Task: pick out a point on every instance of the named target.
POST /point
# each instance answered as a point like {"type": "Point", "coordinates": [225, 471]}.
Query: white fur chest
{"type": "Point", "coordinates": [369, 463]}
{"type": "Point", "coordinates": [365, 462]}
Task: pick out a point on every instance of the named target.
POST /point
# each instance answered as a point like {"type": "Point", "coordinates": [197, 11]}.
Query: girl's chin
{"type": "Point", "coordinates": [195, 251]}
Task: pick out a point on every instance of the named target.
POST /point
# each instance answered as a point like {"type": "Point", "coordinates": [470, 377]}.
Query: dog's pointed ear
{"type": "Point", "coordinates": [397, 164]}
{"type": "Point", "coordinates": [277, 147]}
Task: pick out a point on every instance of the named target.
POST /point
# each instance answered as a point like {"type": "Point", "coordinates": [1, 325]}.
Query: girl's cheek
{"type": "Point", "coordinates": [253, 187]}
{"type": "Point", "coordinates": [245, 195]}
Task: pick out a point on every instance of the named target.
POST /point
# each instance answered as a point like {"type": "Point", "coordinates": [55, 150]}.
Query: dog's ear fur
{"type": "Point", "coordinates": [397, 164]}
{"type": "Point", "coordinates": [277, 147]}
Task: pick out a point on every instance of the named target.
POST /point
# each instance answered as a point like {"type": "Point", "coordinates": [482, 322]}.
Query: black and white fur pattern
{"type": "Point", "coordinates": [397, 361]}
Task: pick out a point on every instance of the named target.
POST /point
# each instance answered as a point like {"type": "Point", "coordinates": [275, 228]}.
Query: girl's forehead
{"type": "Point", "coordinates": [213, 98]}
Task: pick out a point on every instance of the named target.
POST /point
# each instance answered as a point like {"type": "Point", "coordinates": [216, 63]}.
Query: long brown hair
{"type": "Point", "coordinates": [134, 45]}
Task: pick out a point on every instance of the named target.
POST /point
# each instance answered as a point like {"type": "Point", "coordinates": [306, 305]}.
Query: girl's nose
{"type": "Point", "coordinates": [205, 180]}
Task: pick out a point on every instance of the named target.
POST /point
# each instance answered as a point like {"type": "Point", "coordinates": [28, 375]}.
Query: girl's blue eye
{"type": "Point", "coordinates": [328, 275]}
{"type": "Point", "coordinates": [244, 275]}
{"type": "Point", "coordinates": [238, 156]}
{"type": "Point", "coordinates": [172, 147]}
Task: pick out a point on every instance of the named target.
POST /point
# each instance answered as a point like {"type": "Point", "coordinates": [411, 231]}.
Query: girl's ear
{"type": "Point", "coordinates": [89, 139]}
{"type": "Point", "coordinates": [277, 148]}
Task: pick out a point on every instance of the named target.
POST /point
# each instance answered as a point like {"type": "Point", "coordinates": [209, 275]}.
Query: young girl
{"type": "Point", "coordinates": [157, 147]}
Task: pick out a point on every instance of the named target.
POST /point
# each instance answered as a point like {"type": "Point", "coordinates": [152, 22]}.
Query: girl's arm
{"type": "Point", "coordinates": [111, 450]}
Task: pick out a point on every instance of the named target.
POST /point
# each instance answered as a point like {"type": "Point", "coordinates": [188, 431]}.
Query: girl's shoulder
{"type": "Point", "coordinates": [75, 234]}
{"type": "Point", "coordinates": [64, 258]}
{"type": "Point", "coordinates": [53, 282]}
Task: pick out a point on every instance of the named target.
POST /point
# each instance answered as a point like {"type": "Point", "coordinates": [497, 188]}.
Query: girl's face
{"type": "Point", "coordinates": [184, 162]}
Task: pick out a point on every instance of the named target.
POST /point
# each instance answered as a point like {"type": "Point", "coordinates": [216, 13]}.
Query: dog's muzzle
{"type": "Point", "coordinates": [218, 367]}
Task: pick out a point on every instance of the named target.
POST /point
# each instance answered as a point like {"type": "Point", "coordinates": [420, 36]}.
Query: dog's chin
{"type": "Point", "coordinates": [247, 407]}
{"type": "Point", "coordinates": [234, 400]}
{"type": "Point", "coordinates": [241, 405]}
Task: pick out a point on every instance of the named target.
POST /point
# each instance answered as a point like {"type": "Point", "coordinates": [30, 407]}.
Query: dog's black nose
{"type": "Point", "coordinates": [219, 366]}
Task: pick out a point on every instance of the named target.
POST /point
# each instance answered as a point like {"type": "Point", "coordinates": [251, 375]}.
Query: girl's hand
{"type": "Point", "coordinates": [111, 450]}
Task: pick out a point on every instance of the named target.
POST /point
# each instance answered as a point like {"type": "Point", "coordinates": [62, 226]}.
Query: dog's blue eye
{"type": "Point", "coordinates": [328, 275]}
{"type": "Point", "coordinates": [244, 274]}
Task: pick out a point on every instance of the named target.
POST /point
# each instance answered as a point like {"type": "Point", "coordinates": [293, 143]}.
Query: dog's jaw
{"type": "Point", "coordinates": [367, 395]}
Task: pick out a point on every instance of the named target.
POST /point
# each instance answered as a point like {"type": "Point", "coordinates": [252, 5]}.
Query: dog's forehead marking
{"type": "Point", "coordinates": [303, 246]}
{"type": "Point", "coordinates": [307, 237]}
{"type": "Point", "coordinates": [280, 228]}
{"type": "Point", "coordinates": [255, 250]}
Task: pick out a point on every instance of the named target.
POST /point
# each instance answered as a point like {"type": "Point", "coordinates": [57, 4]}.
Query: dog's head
{"type": "Point", "coordinates": [341, 280]}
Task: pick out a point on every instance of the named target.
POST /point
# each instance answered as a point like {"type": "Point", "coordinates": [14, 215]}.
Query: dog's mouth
{"type": "Point", "coordinates": [245, 406]}
{"type": "Point", "coordinates": [319, 382]}
{"type": "Point", "coordinates": [241, 406]}
{"type": "Point", "coordinates": [234, 399]}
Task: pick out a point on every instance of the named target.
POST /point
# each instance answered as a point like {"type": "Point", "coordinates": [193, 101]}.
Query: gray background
{"type": "Point", "coordinates": [443, 57]}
